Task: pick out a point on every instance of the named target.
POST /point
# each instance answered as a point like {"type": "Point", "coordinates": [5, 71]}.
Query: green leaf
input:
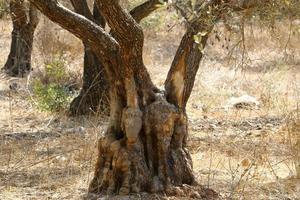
{"type": "Point", "coordinates": [197, 38]}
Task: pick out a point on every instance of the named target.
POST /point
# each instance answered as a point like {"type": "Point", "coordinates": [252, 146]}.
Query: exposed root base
{"type": "Point", "coordinates": [149, 155]}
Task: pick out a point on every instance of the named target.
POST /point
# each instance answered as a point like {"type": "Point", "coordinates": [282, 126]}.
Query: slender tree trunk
{"type": "Point", "coordinates": [19, 59]}
{"type": "Point", "coordinates": [94, 95]}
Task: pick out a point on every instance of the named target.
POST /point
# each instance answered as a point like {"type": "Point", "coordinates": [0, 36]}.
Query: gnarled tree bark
{"type": "Point", "coordinates": [24, 24]}
{"type": "Point", "coordinates": [94, 92]}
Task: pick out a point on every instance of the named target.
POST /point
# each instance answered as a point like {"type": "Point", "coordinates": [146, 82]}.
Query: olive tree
{"type": "Point", "coordinates": [145, 145]}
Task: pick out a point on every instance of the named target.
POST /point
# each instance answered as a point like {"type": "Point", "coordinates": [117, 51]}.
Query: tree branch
{"type": "Point", "coordinates": [144, 10]}
{"type": "Point", "coordinates": [80, 26]}
{"type": "Point", "coordinates": [182, 74]}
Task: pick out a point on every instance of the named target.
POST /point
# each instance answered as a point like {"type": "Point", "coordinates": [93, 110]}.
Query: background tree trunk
{"type": "Point", "coordinates": [94, 95]}
{"type": "Point", "coordinates": [24, 24]}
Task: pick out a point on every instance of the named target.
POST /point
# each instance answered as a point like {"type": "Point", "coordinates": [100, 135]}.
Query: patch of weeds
{"type": "Point", "coordinates": [53, 88]}
{"type": "Point", "coordinates": [52, 97]}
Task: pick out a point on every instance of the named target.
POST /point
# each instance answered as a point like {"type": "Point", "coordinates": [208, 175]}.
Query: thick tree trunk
{"type": "Point", "coordinates": [148, 152]}
{"type": "Point", "coordinates": [149, 155]}
{"type": "Point", "coordinates": [94, 95]}
{"type": "Point", "coordinates": [19, 59]}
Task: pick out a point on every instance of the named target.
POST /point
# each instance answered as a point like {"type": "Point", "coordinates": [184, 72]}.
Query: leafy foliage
{"type": "Point", "coordinates": [51, 97]}
{"type": "Point", "coordinates": [51, 89]}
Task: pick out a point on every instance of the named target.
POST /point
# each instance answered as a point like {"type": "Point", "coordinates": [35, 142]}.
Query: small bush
{"type": "Point", "coordinates": [52, 97]}
{"type": "Point", "coordinates": [52, 88]}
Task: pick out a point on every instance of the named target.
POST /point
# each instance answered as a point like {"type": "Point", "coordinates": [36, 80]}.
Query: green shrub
{"type": "Point", "coordinates": [51, 88]}
{"type": "Point", "coordinates": [52, 97]}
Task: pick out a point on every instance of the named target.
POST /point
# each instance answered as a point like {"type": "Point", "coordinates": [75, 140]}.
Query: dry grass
{"type": "Point", "coordinates": [242, 154]}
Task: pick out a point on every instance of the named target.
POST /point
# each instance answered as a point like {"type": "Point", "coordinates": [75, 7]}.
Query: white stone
{"type": "Point", "coordinates": [243, 102]}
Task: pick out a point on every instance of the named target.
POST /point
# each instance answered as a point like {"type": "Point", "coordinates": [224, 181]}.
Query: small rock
{"type": "Point", "coordinates": [78, 130]}
{"type": "Point", "coordinates": [61, 158]}
{"type": "Point", "coordinates": [212, 127]}
{"type": "Point", "coordinates": [243, 102]}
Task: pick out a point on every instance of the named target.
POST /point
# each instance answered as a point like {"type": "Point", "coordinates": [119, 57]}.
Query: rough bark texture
{"type": "Point", "coordinates": [24, 24]}
{"type": "Point", "coordinates": [144, 147]}
{"type": "Point", "coordinates": [181, 77]}
{"type": "Point", "coordinates": [94, 95]}
{"type": "Point", "coordinates": [148, 152]}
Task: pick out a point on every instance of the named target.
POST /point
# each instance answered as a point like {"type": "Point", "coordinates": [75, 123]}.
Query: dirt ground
{"type": "Point", "coordinates": [240, 153]}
